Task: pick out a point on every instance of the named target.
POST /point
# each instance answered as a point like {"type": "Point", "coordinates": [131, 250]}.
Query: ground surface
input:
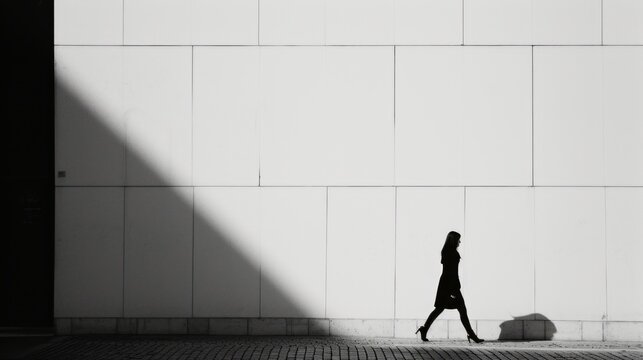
{"type": "Point", "coordinates": [316, 348]}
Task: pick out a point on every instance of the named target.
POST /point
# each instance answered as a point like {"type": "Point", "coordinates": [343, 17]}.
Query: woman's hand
{"type": "Point", "coordinates": [452, 296]}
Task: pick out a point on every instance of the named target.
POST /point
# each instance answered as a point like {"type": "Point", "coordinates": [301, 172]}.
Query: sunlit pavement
{"type": "Point", "coordinates": [274, 348]}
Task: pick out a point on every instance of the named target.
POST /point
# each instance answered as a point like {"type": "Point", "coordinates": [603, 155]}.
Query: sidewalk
{"type": "Point", "coordinates": [294, 348]}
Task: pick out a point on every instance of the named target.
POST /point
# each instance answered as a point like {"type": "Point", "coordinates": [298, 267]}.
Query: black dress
{"type": "Point", "coordinates": [449, 283]}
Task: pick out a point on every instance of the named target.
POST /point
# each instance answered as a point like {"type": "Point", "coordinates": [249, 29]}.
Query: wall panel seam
{"type": "Point", "coordinates": [258, 22]}
{"type": "Point", "coordinates": [602, 20]}
{"type": "Point", "coordinates": [343, 45]}
{"type": "Point", "coordinates": [355, 186]}
{"type": "Point", "coordinates": [326, 262]}
{"type": "Point", "coordinates": [258, 118]}
{"type": "Point", "coordinates": [395, 116]}
{"type": "Point", "coordinates": [606, 258]}
{"type": "Point", "coordinates": [192, 167]}
{"type": "Point", "coordinates": [193, 262]}
{"type": "Point", "coordinates": [123, 244]}
{"type": "Point", "coordinates": [123, 22]}
{"type": "Point", "coordinates": [124, 237]}
{"type": "Point", "coordinates": [534, 244]}
{"type": "Point", "coordinates": [532, 117]}
{"type": "Point", "coordinates": [462, 29]}
{"type": "Point", "coordinates": [395, 260]}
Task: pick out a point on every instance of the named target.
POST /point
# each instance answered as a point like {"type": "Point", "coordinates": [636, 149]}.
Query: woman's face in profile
{"type": "Point", "coordinates": [458, 245]}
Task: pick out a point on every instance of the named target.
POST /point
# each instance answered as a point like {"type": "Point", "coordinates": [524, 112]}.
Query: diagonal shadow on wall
{"type": "Point", "coordinates": [239, 275]}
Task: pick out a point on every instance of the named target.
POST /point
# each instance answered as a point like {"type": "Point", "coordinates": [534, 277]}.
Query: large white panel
{"type": "Point", "coordinates": [89, 123]}
{"type": "Point", "coordinates": [226, 252]}
{"type": "Point", "coordinates": [570, 253]}
{"type": "Point", "coordinates": [292, 123]}
{"type": "Point", "coordinates": [361, 246]}
{"type": "Point", "coordinates": [624, 208]}
{"type": "Point", "coordinates": [463, 116]}
{"type": "Point", "coordinates": [424, 218]}
{"type": "Point", "coordinates": [568, 124]}
{"type": "Point", "coordinates": [539, 22]}
{"type": "Point", "coordinates": [292, 22]}
{"type": "Point", "coordinates": [497, 115]}
{"type": "Point", "coordinates": [157, 22]}
{"type": "Point", "coordinates": [360, 22]}
{"type": "Point", "coordinates": [220, 22]}
{"type": "Point", "coordinates": [198, 22]}
{"type": "Point", "coordinates": [293, 252]}
{"type": "Point", "coordinates": [567, 22]}
{"type": "Point", "coordinates": [623, 22]}
{"type": "Point", "coordinates": [88, 22]}
{"type": "Point", "coordinates": [428, 22]}
{"type": "Point", "coordinates": [327, 116]}
{"type": "Point", "coordinates": [89, 252]}
{"type": "Point", "coordinates": [101, 92]}
{"type": "Point", "coordinates": [497, 22]}
{"type": "Point", "coordinates": [429, 116]}
{"type": "Point", "coordinates": [623, 91]}
{"type": "Point", "coordinates": [226, 95]}
{"type": "Point", "coordinates": [158, 252]}
{"type": "Point", "coordinates": [500, 245]}
{"type": "Point", "coordinates": [359, 112]}
{"type": "Point", "coordinates": [158, 115]}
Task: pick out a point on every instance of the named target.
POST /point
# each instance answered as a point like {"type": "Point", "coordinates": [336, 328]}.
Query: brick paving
{"type": "Point", "coordinates": [319, 348]}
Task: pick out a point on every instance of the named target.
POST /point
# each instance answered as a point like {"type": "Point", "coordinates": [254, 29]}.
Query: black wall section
{"type": "Point", "coordinates": [27, 148]}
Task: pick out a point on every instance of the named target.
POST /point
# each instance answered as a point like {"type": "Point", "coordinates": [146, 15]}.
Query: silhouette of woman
{"type": "Point", "coordinates": [449, 295]}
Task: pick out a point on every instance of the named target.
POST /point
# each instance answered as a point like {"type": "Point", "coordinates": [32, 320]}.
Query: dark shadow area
{"type": "Point", "coordinates": [244, 275]}
{"type": "Point", "coordinates": [527, 327]}
{"type": "Point", "coordinates": [26, 184]}
{"type": "Point", "coordinates": [21, 346]}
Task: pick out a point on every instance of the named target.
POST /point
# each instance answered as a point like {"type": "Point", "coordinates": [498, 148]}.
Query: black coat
{"type": "Point", "coordinates": [449, 283]}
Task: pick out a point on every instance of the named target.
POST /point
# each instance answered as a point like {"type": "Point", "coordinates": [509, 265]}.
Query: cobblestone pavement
{"type": "Point", "coordinates": [320, 348]}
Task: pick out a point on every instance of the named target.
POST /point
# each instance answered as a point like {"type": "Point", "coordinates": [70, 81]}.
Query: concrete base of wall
{"type": "Point", "coordinates": [402, 328]}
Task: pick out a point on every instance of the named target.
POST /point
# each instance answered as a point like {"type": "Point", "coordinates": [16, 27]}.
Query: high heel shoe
{"type": "Point", "coordinates": [474, 338]}
{"type": "Point", "coordinates": [422, 330]}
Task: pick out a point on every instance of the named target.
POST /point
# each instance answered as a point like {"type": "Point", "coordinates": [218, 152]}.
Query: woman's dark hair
{"type": "Point", "coordinates": [451, 243]}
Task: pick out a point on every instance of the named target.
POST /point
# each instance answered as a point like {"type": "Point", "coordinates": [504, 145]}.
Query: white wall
{"type": "Point", "coordinates": [229, 160]}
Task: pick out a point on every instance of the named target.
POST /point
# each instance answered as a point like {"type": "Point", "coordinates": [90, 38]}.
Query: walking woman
{"type": "Point", "coordinates": [449, 295]}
